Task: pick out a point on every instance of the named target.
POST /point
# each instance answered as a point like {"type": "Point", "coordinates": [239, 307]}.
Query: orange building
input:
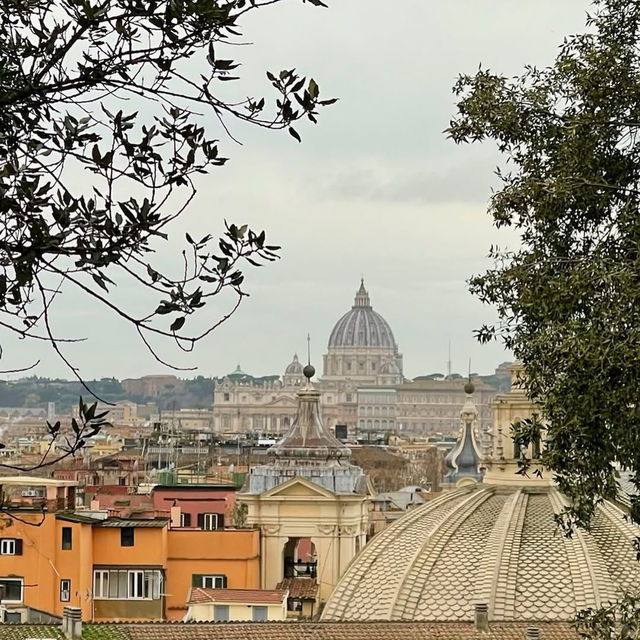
{"type": "Point", "coordinates": [52, 556]}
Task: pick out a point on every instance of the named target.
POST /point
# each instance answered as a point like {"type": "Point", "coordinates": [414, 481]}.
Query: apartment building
{"type": "Point", "coordinates": [52, 556]}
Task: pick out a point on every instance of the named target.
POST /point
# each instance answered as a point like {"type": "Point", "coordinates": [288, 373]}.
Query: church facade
{"type": "Point", "coordinates": [362, 386]}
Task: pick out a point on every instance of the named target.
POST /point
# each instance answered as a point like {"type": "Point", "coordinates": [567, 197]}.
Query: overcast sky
{"type": "Point", "coordinates": [375, 189]}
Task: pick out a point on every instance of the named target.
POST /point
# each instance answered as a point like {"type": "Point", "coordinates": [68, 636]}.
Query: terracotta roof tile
{"type": "Point", "coordinates": [300, 588]}
{"type": "Point", "coordinates": [297, 631]}
{"type": "Point", "coordinates": [267, 596]}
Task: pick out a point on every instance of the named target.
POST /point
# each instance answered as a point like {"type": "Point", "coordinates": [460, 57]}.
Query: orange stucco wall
{"type": "Point", "coordinates": [43, 563]}
{"type": "Point", "coordinates": [232, 552]}
{"type": "Point", "coordinates": [181, 553]}
{"type": "Point", "coordinates": [149, 547]}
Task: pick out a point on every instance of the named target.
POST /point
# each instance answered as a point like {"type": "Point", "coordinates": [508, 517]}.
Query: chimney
{"type": "Point", "coordinates": [95, 505]}
{"type": "Point", "coordinates": [532, 633]}
{"type": "Point", "coordinates": [72, 623]}
{"type": "Point", "coordinates": [482, 616]}
{"type": "Point", "coordinates": [175, 515]}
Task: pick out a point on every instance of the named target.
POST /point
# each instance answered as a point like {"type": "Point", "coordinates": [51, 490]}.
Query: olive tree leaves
{"type": "Point", "coordinates": [568, 298]}
{"type": "Point", "coordinates": [105, 121]}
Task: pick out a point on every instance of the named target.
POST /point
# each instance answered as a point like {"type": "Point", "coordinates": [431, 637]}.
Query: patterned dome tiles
{"type": "Point", "coordinates": [362, 327]}
{"type": "Point", "coordinates": [494, 545]}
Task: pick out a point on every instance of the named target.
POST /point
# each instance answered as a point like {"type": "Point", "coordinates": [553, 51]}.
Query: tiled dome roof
{"type": "Point", "coordinates": [295, 368]}
{"type": "Point", "coordinates": [493, 545]}
{"type": "Point", "coordinates": [362, 326]}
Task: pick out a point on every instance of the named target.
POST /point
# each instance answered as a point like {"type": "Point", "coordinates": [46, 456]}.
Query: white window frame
{"type": "Point", "coordinates": [65, 590]}
{"type": "Point", "coordinates": [207, 518]}
{"type": "Point", "coordinates": [141, 584]}
{"type": "Point", "coordinates": [135, 585]}
{"type": "Point", "coordinates": [213, 582]}
{"type": "Point", "coordinates": [21, 582]}
{"type": "Point", "coordinates": [101, 584]}
{"type": "Point", "coordinates": [7, 547]}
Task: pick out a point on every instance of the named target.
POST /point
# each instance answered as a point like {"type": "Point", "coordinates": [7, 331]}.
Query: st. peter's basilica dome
{"type": "Point", "coordinates": [362, 326]}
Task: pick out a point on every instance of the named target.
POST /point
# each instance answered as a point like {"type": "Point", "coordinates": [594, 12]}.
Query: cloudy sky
{"type": "Point", "coordinates": [375, 189]}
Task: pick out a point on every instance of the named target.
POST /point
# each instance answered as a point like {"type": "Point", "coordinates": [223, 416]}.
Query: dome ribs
{"type": "Point", "coordinates": [506, 561]}
{"type": "Point", "coordinates": [429, 589]}
{"type": "Point", "coordinates": [489, 578]}
{"type": "Point", "coordinates": [497, 544]}
{"type": "Point", "coordinates": [592, 584]}
{"type": "Point", "coordinates": [367, 590]}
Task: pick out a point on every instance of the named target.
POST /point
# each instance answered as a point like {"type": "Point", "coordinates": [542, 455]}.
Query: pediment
{"type": "Point", "coordinates": [282, 401]}
{"type": "Point", "coordinates": [298, 487]}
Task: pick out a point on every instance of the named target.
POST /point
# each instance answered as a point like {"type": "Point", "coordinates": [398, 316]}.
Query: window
{"type": "Point", "coordinates": [12, 590]}
{"type": "Point", "coordinates": [185, 519]}
{"type": "Point", "coordinates": [348, 397]}
{"type": "Point", "coordinates": [122, 481]}
{"type": "Point", "coordinates": [226, 397]}
{"type": "Point", "coordinates": [136, 584]}
{"type": "Point", "coordinates": [210, 521]}
{"type": "Point", "coordinates": [66, 538]}
{"type": "Point", "coordinates": [126, 536]}
{"type": "Point", "coordinates": [65, 590]}
{"type": "Point", "coordinates": [8, 547]}
{"type": "Point", "coordinates": [209, 581]}
{"type": "Point", "coordinates": [127, 584]}
{"type": "Point", "coordinates": [100, 584]}
{"type": "Point", "coordinates": [259, 614]}
{"type": "Point", "coordinates": [221, 613]}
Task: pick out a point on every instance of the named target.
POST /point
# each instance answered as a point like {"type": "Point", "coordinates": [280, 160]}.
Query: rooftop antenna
{"type": "Point", "coordinates": [308, 348]}
{"type": "Point", "coordinates": [469, 369]}
{"type": "Point", "coordinates": [449, 361]}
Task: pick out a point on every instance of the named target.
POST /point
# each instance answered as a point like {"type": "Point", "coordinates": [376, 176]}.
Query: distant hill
{"type": "Point", "coordinates": [196, 393]}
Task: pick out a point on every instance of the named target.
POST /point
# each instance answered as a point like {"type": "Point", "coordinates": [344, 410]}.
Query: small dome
{"type": "Point", "coordinates": [295, 368]}
{"type": "Point", "coordinates": [239, 375]}
{"type": "Point", "coordinates": [494, 545]}
{"type": "Point", "coordinates": [362, 326]}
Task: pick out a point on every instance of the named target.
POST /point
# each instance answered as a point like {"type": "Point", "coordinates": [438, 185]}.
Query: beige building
{"type": "Point", "coordinates": [433, 406]}
{"type": "Point", "coordinates": [308, 496]}
{"type": "Point", "coordinates": [236, 605]}
{"type": "Point", "coordinates": [242, 403]}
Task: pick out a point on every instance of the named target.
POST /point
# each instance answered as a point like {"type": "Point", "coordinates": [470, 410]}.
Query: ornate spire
{"type": "Point", "coordinates": [463, 460]}
{"type": "Point", "coordinates": [362, 296]}
{"type": "Point", "coordinates": [308, 439]}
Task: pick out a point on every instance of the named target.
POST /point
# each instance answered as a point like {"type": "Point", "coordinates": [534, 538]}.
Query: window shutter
{"type": "Point", "coordinates": [196, 580]}
{"type": "Point", "coordinates": [18, 550]}
{"type": "Point", "coordinates": [224, 582]}
{"type": "Point", "coordinates": [201, 520]}
{"type": "Point", "coordinates": [221, 521]}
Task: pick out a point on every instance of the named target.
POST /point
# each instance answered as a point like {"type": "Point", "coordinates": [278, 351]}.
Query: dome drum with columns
{"type": "Point", "coordinates": [494, 544]}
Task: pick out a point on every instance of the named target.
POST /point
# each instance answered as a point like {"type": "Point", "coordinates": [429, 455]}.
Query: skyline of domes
{"type": "Point", "coordinates": [361, 326]}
